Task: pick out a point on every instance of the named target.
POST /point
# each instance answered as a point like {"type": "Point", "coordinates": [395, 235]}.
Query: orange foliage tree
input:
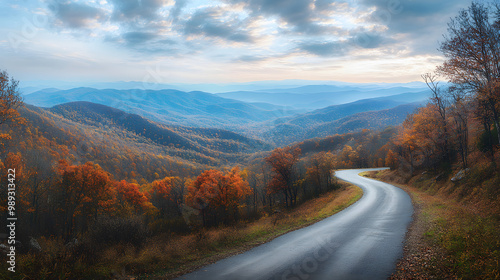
{"type": "Point", "coordinates": [429, 130]}
{"type": "Point", "coordinates": [84, 193]}
{"type": "Point", "coordinates": [129, 197]}
{"type": "Point", "coordinates": [407, 143]}
{"type": "Point", "coordinates": [217, 195]}
{"type": "Point", "coordinates": [10, 100]}
{"type": "Point", "coordinates": [319, 172]}
{"type": "Point", "coordinates": [282, 162]}
{"type": "Point", "coordinates": [472, 52]}
{"type": "Point", "coordinates": [167, 196]}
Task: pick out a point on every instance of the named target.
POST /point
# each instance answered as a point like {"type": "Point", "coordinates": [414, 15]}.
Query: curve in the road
{"type": "Point", "coordinates": [364, 241]}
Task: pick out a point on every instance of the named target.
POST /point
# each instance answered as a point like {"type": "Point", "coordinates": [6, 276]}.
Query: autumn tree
{"type": "Point", "coordinates": [319, 172]}
{"type": "Point", "coordinates": [218, 195]}
{"type": "Point", "coordinates": [460, 112]}
{"type": "Point", "coordinates": [10, 100]}
{"type": "Point", "coordinates": [428, 129]}
{"type": "Point", "coordinates": [282, 162]}
{"type": "Point", "coordinates": [406, 142]}
{"type": "Point", "coordinates": [84, 193]}
{"type": "Point", "coordinates": [39, 177]}
{"type": "Point", "coordinates": [472, 51]}
{"type": "Point", "coordinates": [440, 103]}
{"type": "Point", "coordinates": [391, 160]}
{"type": "Point", "coordinates": [129, 198]}
{"type": "Point", "coordinates": [350, 157]}
{"type": "Point", "coordinates": [167, 196]}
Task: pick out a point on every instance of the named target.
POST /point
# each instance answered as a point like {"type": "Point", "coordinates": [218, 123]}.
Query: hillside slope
{"type": "Point", "coordinates": [122, 142]}
{"type": "Point", "coordinates": [208, 141]}
{"type": "Point", "coordinates": [331, 123]}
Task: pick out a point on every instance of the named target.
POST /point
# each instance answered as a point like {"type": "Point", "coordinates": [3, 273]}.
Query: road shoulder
{"type": "Point", "coordinates": [422, 258]}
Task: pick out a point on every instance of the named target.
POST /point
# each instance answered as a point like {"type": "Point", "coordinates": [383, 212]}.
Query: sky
{"type": "Point", "coordinates": [223, 41]}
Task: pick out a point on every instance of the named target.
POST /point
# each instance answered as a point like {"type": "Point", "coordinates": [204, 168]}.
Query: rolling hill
{"type": "Point", "coordinates": [85, 131]}
{"type": "Point", "coordinates": [204, 113]}
{"type": "Point", "coordinates": [330, 122]}
{"type": "Point", "coordinates": [209, 141]}
{"type": "Point", "coordinates": [198, 109]}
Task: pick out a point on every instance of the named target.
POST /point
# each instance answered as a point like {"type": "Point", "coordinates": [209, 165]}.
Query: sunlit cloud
{"type": "Point", "coordinates": [226, 38]}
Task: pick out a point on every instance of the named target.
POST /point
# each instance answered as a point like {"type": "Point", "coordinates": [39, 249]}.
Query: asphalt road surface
{"type": "Point", "coordinates": [364, 241]}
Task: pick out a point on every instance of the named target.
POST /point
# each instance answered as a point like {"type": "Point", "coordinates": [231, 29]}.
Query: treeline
{"type": "Point", "coordinates": [460, 124]}
{"type": "Point", "coordinates": [291, 175]}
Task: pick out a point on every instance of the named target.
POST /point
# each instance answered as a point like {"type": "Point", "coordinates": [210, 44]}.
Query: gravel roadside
{"type": "Point", "coordinates": [421, 258]}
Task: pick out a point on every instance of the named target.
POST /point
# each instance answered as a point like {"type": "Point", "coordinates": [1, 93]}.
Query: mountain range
{"type": "Point", "coordinates": [197, 109]}
{"type": "Point", "coordinates": [320, 96]}
{"type": "Point", "coordinates": [278, 116]}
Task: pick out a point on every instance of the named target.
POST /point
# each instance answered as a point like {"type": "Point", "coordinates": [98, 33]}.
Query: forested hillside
{"type": "Point", "coordinates": [326, 122]}
{"type": "Point", "coordinates": [114, 139]}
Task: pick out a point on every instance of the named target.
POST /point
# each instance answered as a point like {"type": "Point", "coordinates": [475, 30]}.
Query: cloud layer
{"type": "Point", "coordinates": [325, 28]}
{"type": "Point", "coordinates": [279, 36]}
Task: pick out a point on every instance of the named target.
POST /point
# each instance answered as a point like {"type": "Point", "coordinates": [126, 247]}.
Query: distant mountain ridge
{"type": "Point", "coordinates": [198, 109]}
{"type": "Point", "coordinates": [276, 124]}
{"type": "Point", "coordinates": [320, 96]}
{"type": "Point", "coordinates": [32, 86]}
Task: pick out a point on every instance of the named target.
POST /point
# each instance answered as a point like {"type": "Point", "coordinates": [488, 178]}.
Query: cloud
{"type": "Point", "coordinates": [76, 15]}
{"type": "Point", "coordinates": [176, 10]}
{"type": "Point", "coordinates": [302, 15]}
{"type": "Point", "coordinates": [213, 22]}
{"type": "Point", "coordinates": [414, 22]}
{"type": "Point", "coordinates": [134, 10]}
{"type": "Point", "coordinates": [251, 58]}
{"type": "Point", "coordinates": [369, 40]}
{"type": "Point", "coordinates": [323, 28]}
{"type": "Point", "coordinates": [325, 49]}
{"type": "Point", "coordinates": [136, 37]}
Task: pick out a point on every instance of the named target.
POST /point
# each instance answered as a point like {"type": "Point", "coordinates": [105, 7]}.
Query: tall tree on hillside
{"type": "Point", "coordinates": [85, 193]}
{"type": "Point", "coordinates": [406, 142]}
{"type": "Point", "coordinates": [10, 100]}
{"type": "Point", "coordinates": [129, 198]}
{"type": "Point", "coordinates": [440, 103]}
{"type": "Point", "coordinates": [167, 195]}
{"type": "Point", "coordinates": [472, 51]}
{"type": "Point", "coordinates": [460, 111]}
{"type": "Point", "coordinates": [319, 172]}
{"type": "Point", "coordinates": [282, 162]}
{"type": "Point", "coordinates": [428, 133]}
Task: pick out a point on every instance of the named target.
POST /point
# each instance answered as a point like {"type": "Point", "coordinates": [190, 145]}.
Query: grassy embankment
{"type": "Point", "coordinates": [456, 229]}
{"type": "Point", "coordinates": [164, 257]}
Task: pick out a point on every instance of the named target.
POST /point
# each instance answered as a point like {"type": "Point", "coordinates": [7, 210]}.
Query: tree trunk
{"type": "Point", "coordinates": [495, 119]}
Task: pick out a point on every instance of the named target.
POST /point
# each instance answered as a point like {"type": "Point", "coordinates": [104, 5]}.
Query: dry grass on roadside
{"type": "Point", "coordinates": [449, 238]}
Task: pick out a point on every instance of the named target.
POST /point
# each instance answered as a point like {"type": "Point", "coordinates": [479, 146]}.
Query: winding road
{"type": "Point", "coordinates": [364, 241]}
